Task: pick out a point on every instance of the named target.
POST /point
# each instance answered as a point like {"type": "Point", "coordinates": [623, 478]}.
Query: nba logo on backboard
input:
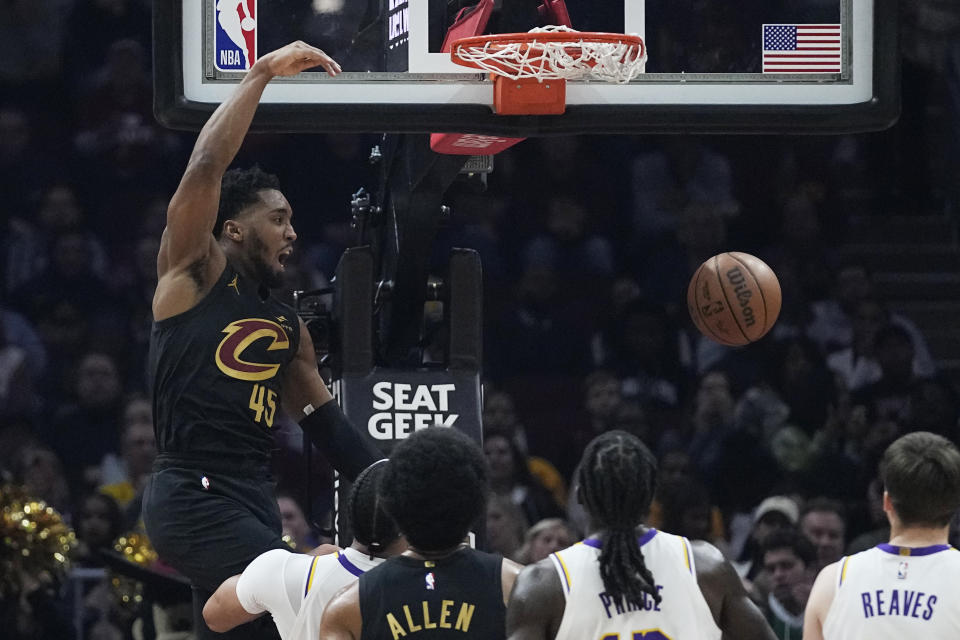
{"type": "Point", "coordinates": [235, 39]}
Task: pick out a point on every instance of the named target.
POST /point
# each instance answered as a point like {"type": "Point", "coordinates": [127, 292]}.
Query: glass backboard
{"type": "Point", "coordinates": [750, 66]}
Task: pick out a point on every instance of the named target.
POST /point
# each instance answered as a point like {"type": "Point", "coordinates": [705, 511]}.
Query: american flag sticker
{"type": "Point", "coordinates": [801, 48]}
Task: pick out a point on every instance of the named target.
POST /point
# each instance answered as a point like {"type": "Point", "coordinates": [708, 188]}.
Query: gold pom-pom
{"type": "Point", "coordinates": [136, 549]}
{"type": "Point", "coordinates": [35, 541]}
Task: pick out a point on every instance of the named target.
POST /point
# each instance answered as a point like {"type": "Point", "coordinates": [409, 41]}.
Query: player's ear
{"type": "Point", "coordinates": [232, 230]}
{"type": "Point", "coordinates": [887, 502]}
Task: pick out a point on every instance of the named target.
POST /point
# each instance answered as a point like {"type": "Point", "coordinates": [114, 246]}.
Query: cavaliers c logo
{"type": "Point", "coordinates": [240, 335]}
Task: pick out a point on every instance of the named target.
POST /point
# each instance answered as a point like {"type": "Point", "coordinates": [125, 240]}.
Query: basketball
{"type": "Point", "coordinates": [248, 24]}
{"type": "Point", "coordinates": [734, 298]}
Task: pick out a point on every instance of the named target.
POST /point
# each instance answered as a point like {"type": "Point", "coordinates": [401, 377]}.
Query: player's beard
{"type": "Point", "coordinates": [267, 276]}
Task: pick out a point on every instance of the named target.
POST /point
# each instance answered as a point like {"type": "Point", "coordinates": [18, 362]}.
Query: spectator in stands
{"type": "Point", "coordinates": [22, 360]}
{"type": "Point", "coordinates": [41, 473]}
{"type": "Point", "coordinates": [684, 508]}
{"type": "Point", "coordinates": [641, 346]}
{"type": "Point", "coordinates": [120, 85]}
{"type": "Point", "coordinates": [788, 559]}
{"type": "Point", "coordinates": [99, 523]}
{"type": "Point", "coordinates": [87, 428]}
{"type": "Point", "coordinates": [506, 527]}
{"type": "Point", "coordinates": [61, 211]}
{"type": "Point", "coordinates": [295, 524]}
{"type": "Point", "coordinates": [23, 167]}
{"type": "Point", "coordinates": [677, 171]}
{"type": "Point", "coordinates": [632, 418]}
{"type": "Point", "coordinates": [845, 450]}
{"type": "Point", "coordinates": [702, 231]}
{"type": "Point", "coordinates": [568, 246]}
{"type": "Point", "coordinates": [880, 526]}
{"type": "Point", "coordinates": [123, 477]}
{"type": "Point", "coordinates": [775, 513]}
{"type": "Point", "coordinates": [98, 527]}
{"type": "Point", "coordinates": [824, 523]}
{"type": "Point", "coordinates": [889, 395]}
{"type": "Point", "coordinates": [856, 365]}
{"type": "Point", "coordinates": [136, 294]}
{"type": "Point", "coordinates": [801, 241]}
{"type": "Point", "coordinates": [733, 462]}
{"type": "Point", "coordinates": [500, 414]}
{"type": "Point", "coordinates": [510, 478]}
{"type": "Point", "coordinates": [795, 388]}
{"type": "Point", "coordinates": [537, 333]}
{"type": "Point", "coordinates": [545, 537]}
{"type": "Point", "coordinates": [70, 276]}
{"type": "Point", "coordinates": [834, 319]}
{"type": "Point", "coordinates": [710, 423]}
{"type": "Point", "coordinates": [602, 399]}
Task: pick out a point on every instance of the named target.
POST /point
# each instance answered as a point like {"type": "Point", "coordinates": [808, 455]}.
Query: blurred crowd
{"type": "Point", "coordinates": [587, 244]}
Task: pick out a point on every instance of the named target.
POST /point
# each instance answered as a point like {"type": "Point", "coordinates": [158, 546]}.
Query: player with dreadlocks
{"type": "Point", "coordinates": [625, 577]}
{"type": "Point", "coordinates": [295, 587]}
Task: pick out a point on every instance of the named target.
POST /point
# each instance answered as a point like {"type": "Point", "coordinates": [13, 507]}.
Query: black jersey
{"type": "Point", "coordinates": [459, 596]}
{"type": "Point", "coordinates": [216, 371]}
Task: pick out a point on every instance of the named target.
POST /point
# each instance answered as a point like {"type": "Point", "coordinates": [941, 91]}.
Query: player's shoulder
{"type": "Point", "coordinates": [707, 556]}
{"type": "Point", "coordinates": [537, 579]}
{"type": "Point", "coordinates": [830, 573]}
{"type": "Point", "coordinates": [268, 561]}
{"type": "Point", "coordinates": [823, 592]}
{"type": "Point", "coordinates": [714, 573]}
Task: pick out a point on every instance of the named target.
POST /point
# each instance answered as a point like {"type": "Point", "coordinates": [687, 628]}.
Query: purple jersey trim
{"type": "Point", "coordinates": [913, 551]}
{"type": "Point", "coordinates": [642, 540]}
{"type": "Point", "coordinates": [349, 566]}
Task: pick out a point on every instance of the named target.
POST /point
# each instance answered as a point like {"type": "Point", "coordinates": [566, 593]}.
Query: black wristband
{"type": "Point", "coordinates": [331, 432]}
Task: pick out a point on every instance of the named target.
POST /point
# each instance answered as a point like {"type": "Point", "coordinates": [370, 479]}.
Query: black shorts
{"type": "Point", "coordinates": [209, 531]}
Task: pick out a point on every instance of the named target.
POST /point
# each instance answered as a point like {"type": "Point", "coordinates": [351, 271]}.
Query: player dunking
{"type": "Point", "coordinates": [435, 488]}
{"type": "Point", "coordinates": [224, 355]}
{"type": "Point", "coordinates": [625, 580]}
{"type": "Point", "coordinates": [295, 587]}
{"type": "Point", "coordinates": [905, 588]}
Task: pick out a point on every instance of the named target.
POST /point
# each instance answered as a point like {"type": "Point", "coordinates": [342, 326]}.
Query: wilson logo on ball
{"type": "Point", "coordinates": [734, 298]}
{"type": "Point", "coordinates": [743, 293]}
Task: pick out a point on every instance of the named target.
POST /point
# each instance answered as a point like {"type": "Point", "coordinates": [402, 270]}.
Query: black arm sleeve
{"type": "Point", "coordinates": [331, 432]}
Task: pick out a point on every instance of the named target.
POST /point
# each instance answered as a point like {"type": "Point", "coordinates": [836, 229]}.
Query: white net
{"type": "Point", "coordinates": [546, 59]}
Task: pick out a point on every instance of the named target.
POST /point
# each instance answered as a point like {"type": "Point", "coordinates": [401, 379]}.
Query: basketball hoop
{"type": "Point", "coordinates": [530, 69]}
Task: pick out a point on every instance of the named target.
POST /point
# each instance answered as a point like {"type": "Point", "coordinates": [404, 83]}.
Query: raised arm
{"type": "Point", "coordinates": [536, 604]}
{"type": "Point", "coordinates": [188, 242]}
{"type": "Point", "coordinates": [734, 612]}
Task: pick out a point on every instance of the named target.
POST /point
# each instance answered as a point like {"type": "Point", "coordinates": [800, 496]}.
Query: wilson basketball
{"type": "Point", "coordinates": [734, 298]}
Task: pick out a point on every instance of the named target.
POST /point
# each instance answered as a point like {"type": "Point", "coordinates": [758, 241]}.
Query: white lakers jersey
{"type": "Point", "coordinates": [295, 587]}
{"type": "Point", "coordinates": [891, 592]}
{"type": "Point", "coordinates": [591, 614]}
